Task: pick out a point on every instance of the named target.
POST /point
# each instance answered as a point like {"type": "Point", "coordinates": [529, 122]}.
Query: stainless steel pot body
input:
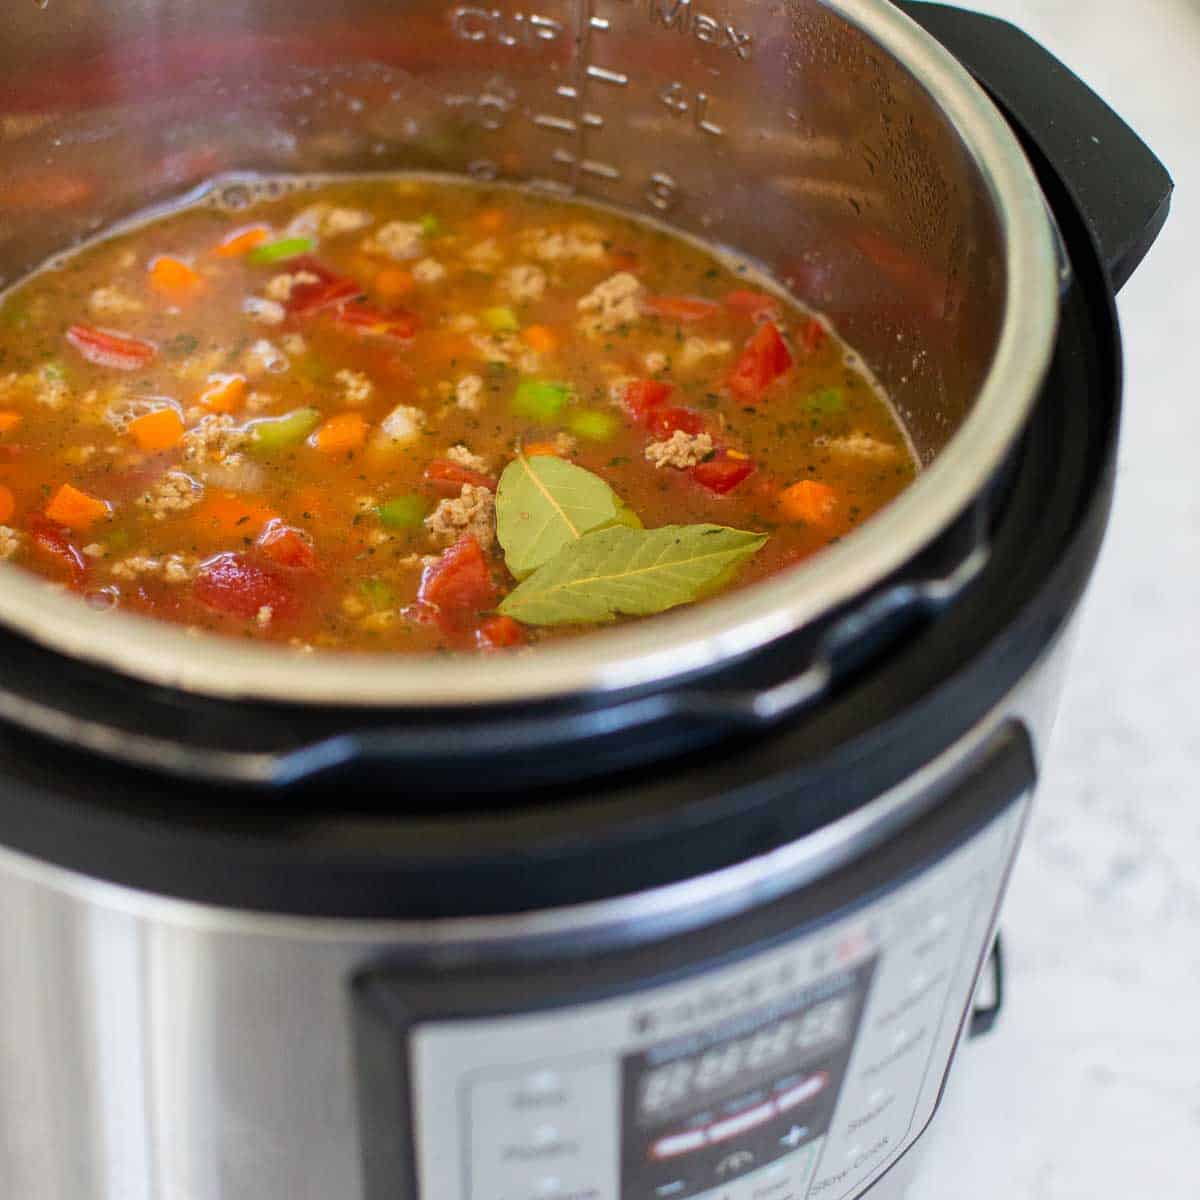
{"type": "Point", "coordinates": [156, 1050]}
{"type": "Point", "coordinates": [834, 143]}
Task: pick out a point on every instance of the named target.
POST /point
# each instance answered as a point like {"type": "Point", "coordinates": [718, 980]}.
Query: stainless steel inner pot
{"type": "Point", "coordinates": [836, 143]}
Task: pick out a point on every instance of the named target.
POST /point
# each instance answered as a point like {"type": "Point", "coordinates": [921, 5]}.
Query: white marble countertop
{"type": "Point", "coordinates": [1089, 1088]}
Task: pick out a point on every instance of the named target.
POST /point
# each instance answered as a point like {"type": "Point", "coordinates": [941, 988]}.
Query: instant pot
{"type": "Point", "coordinates": [691, 908]}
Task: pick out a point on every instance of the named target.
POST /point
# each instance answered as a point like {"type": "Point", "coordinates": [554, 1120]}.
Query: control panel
{"type": "Point", "coordinates": [800, 1070]}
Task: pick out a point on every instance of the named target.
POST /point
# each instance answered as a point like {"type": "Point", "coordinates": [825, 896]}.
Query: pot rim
{"type": "Point", "coordinates": [687, 641]}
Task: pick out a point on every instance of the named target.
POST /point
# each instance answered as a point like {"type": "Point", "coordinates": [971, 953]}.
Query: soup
{"type": "Point", "coordinates": [409, 414]}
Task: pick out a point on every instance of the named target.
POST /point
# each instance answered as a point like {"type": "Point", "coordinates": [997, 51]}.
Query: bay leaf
{"type": "Point", "coordinates": [544, 503]}
{"type": "Point", "coordinates": [631, 572]}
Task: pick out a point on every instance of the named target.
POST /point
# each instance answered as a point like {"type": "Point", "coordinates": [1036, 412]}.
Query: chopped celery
{"type": "Point", "coordinates": [595, 426]}
{"type": "Point", "coordinates": [430, 225]}
{"type": "Point", "coordinates": [827, 400]}
{"type": "Point", "coordinates": [272, 252]}
{"type": "Point", "coordinates": [540, 399]}
{"type": "Point", "coordinates": [378, 593]}
{"type": "Point", "coordinates": [54, 370]}
{"type": "Point", "coordinates": [402, 512]}
{"type": "Point", "coordinates": [501, 319]}
{"type": "Point", "coordinates": [278, 433]}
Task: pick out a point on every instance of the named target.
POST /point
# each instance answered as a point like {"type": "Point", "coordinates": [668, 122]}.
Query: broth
{"type": "Point", "coordinates": [296, 419]}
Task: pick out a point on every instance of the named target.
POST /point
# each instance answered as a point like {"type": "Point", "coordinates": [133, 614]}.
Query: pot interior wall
{"type": "Point", "coordinates": [779, 129]}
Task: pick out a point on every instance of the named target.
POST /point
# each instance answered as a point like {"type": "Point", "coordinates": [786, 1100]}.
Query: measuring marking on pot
{"type": "Point", "coordinates": [592, 79]}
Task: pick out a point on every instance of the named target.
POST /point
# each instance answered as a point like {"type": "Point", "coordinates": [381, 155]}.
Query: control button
{"type": "Point", "coordinates": [722, 1131]}
{"type": "Point", "coordinates": [919, 980]}
{"type": "Point", "coordinates": [794, 1136]}
{"type": "Point", "coordinates": [677, 1143]}
{"type": "Point", "coordinates": [802, 1092]}
{"type": "Point", "coordinates": [545, 1143]}
{"type": "Point", "coordinates": [543, 1089]}
{"type": "Point", "coordinates": [877, 1097]}
{"type": "Point", "coordinates": [733, 1164]}
{"type": "Point", "coordinates": [549, 1186]}
{"type": "Point", "coordinates": [545, 1135]}
{"type": "Point", "coordinates": [937, 923]}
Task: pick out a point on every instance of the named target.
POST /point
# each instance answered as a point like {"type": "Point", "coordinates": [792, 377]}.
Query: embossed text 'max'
{"type": "Point", "coordinates": [516, 28]}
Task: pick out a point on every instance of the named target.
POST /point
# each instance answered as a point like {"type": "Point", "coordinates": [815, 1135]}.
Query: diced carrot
{"type": "Point", "coordinates": [534, 449]}
{"type": "Point", "coordinates": [225, 515]}
{"type": "Point", "coordinates": [541, 338]}
{"type": "Point", "coordinates": [223, 393]}
{"type": "Point", "coordinates": [341, 433]}
{"type": "Point", "coordinates": [8, 504]}
{"type": "Point", "coordinates": [491, 220]}
{"type": "Point", "coordinates": [75, 509]}
{"type": "Point", "coordinates": [9, 420]}
{"type": "Point", "coordinates": [173, 278]}
{"type": "Point", "coordinates": [157, 430]}
{"type": "Point", "coordinates": [394, 283]}
{"type": "Point", "coordinates": [808, 501]}
{"type": "Point", "coordinates": [241, 241]}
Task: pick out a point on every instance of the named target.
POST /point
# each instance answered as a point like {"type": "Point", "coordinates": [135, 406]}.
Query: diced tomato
{"type": "Point", "coordinates": [329, 289]}
{"type": "Point", "coordinates": [680, 308]}
{"type": "Point", "coordinates": [811, 336]}
{"type": "Point", "coordinates": [447, 478]}
{"type": "Point", "coordinates": [494, 633]}
{"type": "Point", "coordinates": [723, 472]}
{"type": "Point", "coordinates": [459, 585]}
{"type": "Point", "coordinates": [241, 586]}
{"type": "Point", "coordinates": [106, 349]}
{"type": "Point", "coordinates": [52, 541]}
{"type": "Point", "coordinates": [364, 318]}
{"type": "Point", "coordinates": [764, 359]}
{"type": "Point", "coordinates": [642, 396]}
{"type": "Point", "coordinates": [755, 305]}
{"type": "Point", "coordinates": [287, 546]}
{"type": "Point", "coordinates": [665, 421]}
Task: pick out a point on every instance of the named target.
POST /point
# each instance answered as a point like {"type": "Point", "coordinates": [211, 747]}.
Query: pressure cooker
{"type": "Point", "coordinates": [691, 908]}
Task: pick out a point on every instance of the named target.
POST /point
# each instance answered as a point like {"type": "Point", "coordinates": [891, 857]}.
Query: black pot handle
{"type": "Point", "coordinates": [1121, 188]}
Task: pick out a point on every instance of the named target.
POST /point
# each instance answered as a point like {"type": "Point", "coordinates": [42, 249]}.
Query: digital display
{"type": "Point", "coordinates": [705, 1106]}
{"type": "Point", "coordinates": [775, 1047]}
